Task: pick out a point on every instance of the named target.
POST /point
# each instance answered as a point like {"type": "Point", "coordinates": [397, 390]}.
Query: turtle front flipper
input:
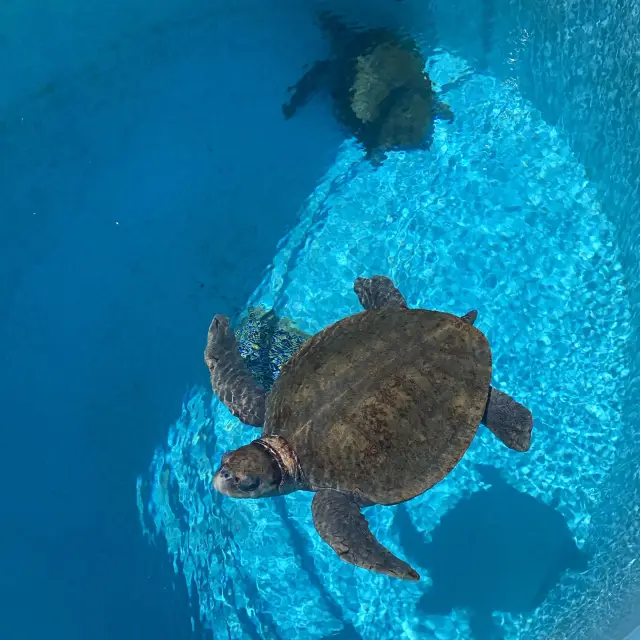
{"type": "Point", "coordinates": [339, 521]}
{"type": "Point", "coordinates": [314, 79]}
{"type": "Point", "coordinates": [231, 381]}
{"type": "Point", "coordinates": [377, 292]}
{"type": "Point", "coordinates": [508, 420]}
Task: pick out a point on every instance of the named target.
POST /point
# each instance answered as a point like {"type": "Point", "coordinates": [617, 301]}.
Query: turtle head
{"type": "Point", "coordinates": [252, 471]}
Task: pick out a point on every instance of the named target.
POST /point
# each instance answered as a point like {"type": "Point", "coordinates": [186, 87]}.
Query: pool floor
{"type": "Point", "coordinates": [498, 216]}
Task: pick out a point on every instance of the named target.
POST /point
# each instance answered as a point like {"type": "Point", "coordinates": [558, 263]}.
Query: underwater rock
{"type": "Point", "coordinates": [266, 342]}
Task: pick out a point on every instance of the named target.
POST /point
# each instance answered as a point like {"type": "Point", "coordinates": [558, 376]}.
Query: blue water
{"type": "Point", "coordinates": [146, 178]}
{"type": "Point", "coordinates": [499, 215]}
{"type": "Point", "coordinates": [118, 183]}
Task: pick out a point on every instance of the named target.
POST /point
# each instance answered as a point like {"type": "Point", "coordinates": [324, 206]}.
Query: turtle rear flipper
{"type": "Point", "coordinates": [231, 380]}
{"type": "Point", "coordinates": [508, 420]}
{"type": "Point", "coordinates": [340, 523]}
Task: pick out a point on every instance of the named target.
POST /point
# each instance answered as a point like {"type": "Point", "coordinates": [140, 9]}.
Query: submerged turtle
{"type": "Point", "coordinates": [375, 409]}
{"type": "Point", "coordinates": [379, 87]}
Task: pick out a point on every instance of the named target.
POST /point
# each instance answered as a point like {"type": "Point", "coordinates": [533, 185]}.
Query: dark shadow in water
{"type": "Point", "coordinates": [499, 550]}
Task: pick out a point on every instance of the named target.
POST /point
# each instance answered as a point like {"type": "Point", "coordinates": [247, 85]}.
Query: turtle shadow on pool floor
{"type": "Point", "coordinates": [499, 550]}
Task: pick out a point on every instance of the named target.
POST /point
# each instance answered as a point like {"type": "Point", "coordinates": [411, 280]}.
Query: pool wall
{"type": "Point", "coordinates": [577, 61]}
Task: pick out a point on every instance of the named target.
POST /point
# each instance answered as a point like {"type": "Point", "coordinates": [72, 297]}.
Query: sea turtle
{"type": "Point", "coordinates": [374, 409]}
{"type": "Point", "coordinates": [380, 90]}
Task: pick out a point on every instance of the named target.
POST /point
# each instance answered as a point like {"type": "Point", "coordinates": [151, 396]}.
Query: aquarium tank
{"type": "Point", "coordinates": [165, 162]}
